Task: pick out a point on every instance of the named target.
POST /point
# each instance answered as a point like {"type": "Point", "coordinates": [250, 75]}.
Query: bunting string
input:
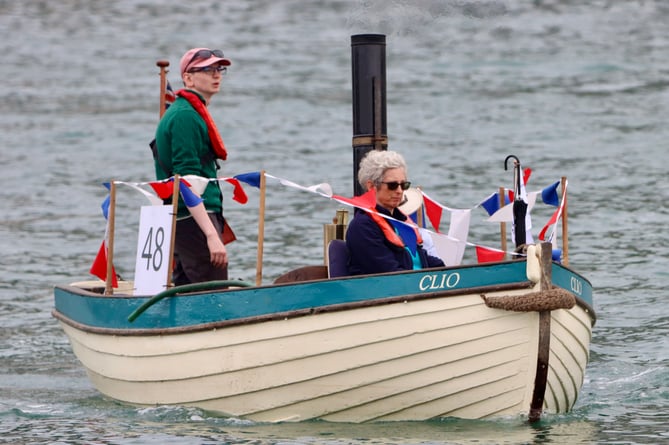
{"type": "Point", "coordinates": [455, 241]}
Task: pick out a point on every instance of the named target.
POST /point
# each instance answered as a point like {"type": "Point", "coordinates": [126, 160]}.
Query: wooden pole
{"type": "Point", "coordinates": [502, 225]}
{"type": "Point", "coordinates": [565, 223]}
{"type": "Point", "coordinates": [162, 64]}
{"type": "Point", "coordinates": [175, 209]}
{"type": "Point", "coordinates": [261, 229]}
{"type": "Point", "coordinates": [109, 288]}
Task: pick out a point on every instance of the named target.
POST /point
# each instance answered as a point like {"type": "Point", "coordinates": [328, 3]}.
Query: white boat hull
{"type": "Point", "coordinates": [413, 360]}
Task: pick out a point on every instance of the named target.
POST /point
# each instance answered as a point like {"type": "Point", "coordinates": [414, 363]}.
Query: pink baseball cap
{"type": "Point", "coordinates": [201, 57]}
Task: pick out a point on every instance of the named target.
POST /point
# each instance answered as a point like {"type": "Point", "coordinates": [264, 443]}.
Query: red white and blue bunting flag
{"type": "Point", "coordinates": [491, 203]}
{"type": "Point", "coordinates": [365, 201]}
{"type": "Point", "coordinates": [549, 196]}
{"type": "Point", "coordinates": [163, 189]}
{"type": "Point", "coordinates": [434, 210]}
{"type": "Point", "coordinates": [105, 204]}
{"type": "Point", "coordinates": [459, 218]}
{"type": "Point", "coordinates": [324, 189]}
{"type": "Point", "coordinates": [99, 266]}
{"type": "Point", "coordinates": [454, 242]}
{"type": "Point", "coordinates": [488, 254]}
{"type": "Point", "coordinates": [554, 218]}
{"type": "Point", "coordinates": [190, 198]}
{"type": "Point", "coordinates": [190, 188]}
{"type": "Point", "coordinates": [251, 178]}
{"type": "Point", "coordinates": [450, 247]}
{"type": "Point", "coordinates": [170, 97]}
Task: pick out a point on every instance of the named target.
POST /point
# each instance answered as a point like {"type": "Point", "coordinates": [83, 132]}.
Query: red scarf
{"type": "Point", "coordinates": [214, 135]}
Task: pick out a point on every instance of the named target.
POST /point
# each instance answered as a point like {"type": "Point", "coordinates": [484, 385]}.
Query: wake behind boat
{"type": "Point", "coordinates": [508, 337]}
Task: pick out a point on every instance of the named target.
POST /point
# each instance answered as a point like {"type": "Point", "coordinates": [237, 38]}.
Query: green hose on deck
{"type": "Point", "coordinates": [195, 287]}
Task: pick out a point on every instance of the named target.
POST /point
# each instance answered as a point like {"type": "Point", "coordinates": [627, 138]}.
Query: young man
{"type": "Point", "coordinates": [188, 143]}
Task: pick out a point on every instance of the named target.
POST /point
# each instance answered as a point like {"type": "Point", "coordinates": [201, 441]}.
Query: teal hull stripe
{"type": "Point", "coordinates": [111, 312]}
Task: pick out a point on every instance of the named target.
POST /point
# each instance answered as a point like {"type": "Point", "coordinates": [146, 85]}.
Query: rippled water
{"type": "Point", "coordinates": [571, 88]}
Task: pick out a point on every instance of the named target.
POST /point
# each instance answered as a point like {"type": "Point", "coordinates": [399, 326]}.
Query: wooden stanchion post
{"type": "Point", "coordinates": [111, 216]}
{"type": "Point", "coordinates": [565, 223]}
{"type": "Point", "coordinates": [261, 229]}
{"type": "Point", "coordinates": [420, 213]}
{"type": "Point", "coordinates": [502, 225]}
{"type": "Point", "coordinates": [175, 209]}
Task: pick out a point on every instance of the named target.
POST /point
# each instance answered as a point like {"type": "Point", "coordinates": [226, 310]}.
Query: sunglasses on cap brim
{"type": "Point", "coordinates": [205, 54]}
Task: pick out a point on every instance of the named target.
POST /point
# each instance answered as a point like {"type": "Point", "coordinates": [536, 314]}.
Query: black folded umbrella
{"type": "Point", "coordinates": [519, 206]}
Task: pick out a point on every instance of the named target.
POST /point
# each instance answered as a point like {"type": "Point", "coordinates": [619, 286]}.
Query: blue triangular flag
{"type": "Point", "coordinates": [252, 178]}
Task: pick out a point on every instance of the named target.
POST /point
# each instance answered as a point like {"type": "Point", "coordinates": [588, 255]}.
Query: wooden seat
{"type": "Point", "coordinates": [306, 273]}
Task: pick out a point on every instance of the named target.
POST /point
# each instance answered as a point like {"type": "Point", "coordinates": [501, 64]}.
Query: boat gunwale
{"type": "Point", "coordinates": [287, 314]}
{"type": "Point", "coordinates": [296, 313]}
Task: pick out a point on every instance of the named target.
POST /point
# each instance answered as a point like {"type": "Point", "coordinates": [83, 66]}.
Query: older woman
{"type": "Point", "coordinates": [377, 244]}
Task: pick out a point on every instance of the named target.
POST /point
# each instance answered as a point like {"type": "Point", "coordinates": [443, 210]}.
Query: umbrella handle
{"type": "Point", "coordinates": [517, 173]}
{"type": "Point", "coordinates": [507, 160]}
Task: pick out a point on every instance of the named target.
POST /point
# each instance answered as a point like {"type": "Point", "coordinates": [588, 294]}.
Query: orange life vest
{"type": "Point", "coordinates": [389, 231]}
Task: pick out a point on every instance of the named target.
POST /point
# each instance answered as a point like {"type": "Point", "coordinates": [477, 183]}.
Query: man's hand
{"type": "Point", "coordinates": [218, 255]}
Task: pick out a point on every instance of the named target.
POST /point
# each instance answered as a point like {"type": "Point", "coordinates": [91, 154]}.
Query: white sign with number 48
{"type": "Point", "coordinates": [153, 249]}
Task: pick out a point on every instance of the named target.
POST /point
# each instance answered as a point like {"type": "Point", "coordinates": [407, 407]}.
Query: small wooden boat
{"type": "Point", "coordinates": [505, 338]}
{"type": "Point", "coordinates": [472, 342]}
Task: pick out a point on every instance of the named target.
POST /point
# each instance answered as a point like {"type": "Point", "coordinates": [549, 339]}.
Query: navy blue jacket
{"type": "Point", "coordinates": [370, 251]}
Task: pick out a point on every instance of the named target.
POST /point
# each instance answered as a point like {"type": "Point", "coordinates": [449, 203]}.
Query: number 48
{"type": "Point", "coordinates": [154, 256]}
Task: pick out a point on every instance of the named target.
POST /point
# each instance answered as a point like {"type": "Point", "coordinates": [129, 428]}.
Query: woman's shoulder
{"type": "Point", "coordinates": [362, 227]}
{"type": "Point", "coordinates": [360, 217]}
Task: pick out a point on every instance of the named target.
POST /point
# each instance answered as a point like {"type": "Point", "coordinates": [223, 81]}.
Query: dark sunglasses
{"type": "Point", "coordinates": [394, 184]}
{"type": "Point", "coordinates": [205, 54]}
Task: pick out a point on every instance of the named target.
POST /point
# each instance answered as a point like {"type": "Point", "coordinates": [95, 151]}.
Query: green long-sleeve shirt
{"type": "Point", "coordinates": [184, 148]}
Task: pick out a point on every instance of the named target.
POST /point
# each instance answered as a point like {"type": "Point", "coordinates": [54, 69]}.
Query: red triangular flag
{"type": "Point", "coordinates": [163, 189]}
{"type": "Point", "coordinates": [238, 193]}
{"type": "Point", "coordinates": [485, 255]}
{"type": "Point", "coordinates": [526, 175]}
{"type": "Point", "coordinates": [99, 267]}
{"type": "Point", "coordinates": [433, 211]}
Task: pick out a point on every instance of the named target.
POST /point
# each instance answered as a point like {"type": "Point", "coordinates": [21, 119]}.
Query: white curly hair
{"type": "Point", "coordinates": [375, 164]}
